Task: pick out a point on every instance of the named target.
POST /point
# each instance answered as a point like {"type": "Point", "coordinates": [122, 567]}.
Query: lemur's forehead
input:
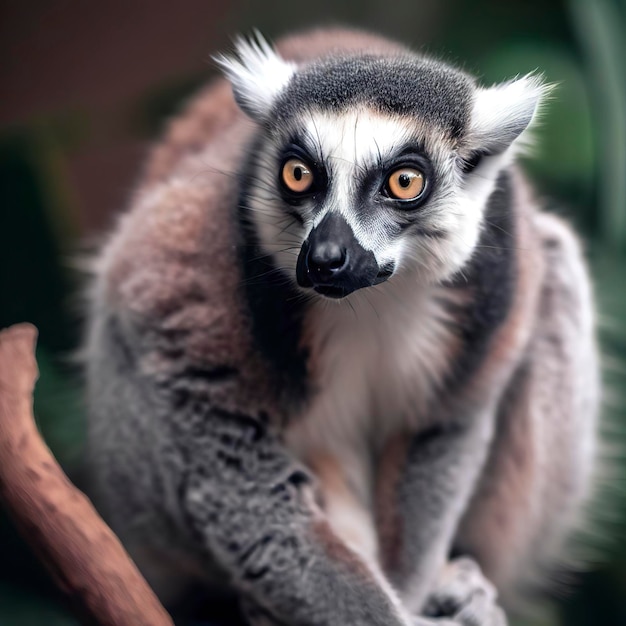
{"type": "Point", "coordinates": [361, 137]}
{"type": "Point", "coordinates": [406, 86]}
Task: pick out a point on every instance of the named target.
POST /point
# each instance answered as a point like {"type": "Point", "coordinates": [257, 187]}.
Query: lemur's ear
{"type": "Point", "coordinates": [501, 113]}
{"type": "Point", "coordinates": [257, 74]}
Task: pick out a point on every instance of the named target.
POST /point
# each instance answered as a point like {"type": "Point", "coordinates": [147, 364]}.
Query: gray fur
{"type": "Point", "coordinates": [405, 85]}
{"type": "Point", "coordinates": [324, 459]}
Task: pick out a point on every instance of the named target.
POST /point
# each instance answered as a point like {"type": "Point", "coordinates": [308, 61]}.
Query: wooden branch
{"type": "Point", "coordinates": [82, 554]}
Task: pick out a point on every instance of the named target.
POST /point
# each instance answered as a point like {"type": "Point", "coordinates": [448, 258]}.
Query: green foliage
{"type": "Point", "coordinates": [563, 159]}
{"type": "Point", "coordinates": [601, 25]}
{"type": "Point", "coordinates": [58, 410]}
{"type": "Point", "coordinates": [18, 609]}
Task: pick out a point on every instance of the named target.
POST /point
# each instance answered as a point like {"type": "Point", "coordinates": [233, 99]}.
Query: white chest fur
{"type": "Point", "coordinates": [376, 363]}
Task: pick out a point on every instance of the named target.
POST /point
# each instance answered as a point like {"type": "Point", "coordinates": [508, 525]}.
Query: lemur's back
{"type": "Point", "coordinates": [329, 459]}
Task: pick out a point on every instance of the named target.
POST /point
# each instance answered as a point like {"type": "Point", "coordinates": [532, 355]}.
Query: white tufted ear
{"type": "Point", "coordinates": [501, 113]}
{"type": "Point", "coordinates": [257, 74]}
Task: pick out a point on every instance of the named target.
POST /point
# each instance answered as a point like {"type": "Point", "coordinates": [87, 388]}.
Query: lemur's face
{"type": "Point", "coordinates": [370, 167]}
{"type": "Point", "coordinates": [355, 183]}
{"type": "Point", "coordinates": [346, 199]}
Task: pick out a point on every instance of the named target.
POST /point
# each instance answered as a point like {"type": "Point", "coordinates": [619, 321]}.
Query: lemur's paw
{"type": "Point", "coordinates": [465, 597]}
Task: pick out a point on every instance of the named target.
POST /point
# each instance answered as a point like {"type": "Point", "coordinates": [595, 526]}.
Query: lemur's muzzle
{"type": "Point", "coordinates": [334, 263]}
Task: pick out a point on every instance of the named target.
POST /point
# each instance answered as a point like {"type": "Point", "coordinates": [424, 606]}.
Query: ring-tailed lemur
{"type": "Point", "coordinates": [335, 345]}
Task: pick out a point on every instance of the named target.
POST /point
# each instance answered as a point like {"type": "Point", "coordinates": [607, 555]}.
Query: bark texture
{"type": "Point", "coordinates": [82, 554]}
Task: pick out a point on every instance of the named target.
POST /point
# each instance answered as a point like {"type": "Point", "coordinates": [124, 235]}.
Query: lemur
{"type": "Point", "coordinates": [338, 359]}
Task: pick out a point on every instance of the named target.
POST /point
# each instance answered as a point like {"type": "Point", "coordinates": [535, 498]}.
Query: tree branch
{"type": "Point", "coordinates": [82, 554]}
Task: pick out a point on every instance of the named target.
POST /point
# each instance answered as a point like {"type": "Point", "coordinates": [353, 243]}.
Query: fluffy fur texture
{"type": "Point", "coordinates": [258, 76]}
{"type": "Point", "coordinates": [329, 458]}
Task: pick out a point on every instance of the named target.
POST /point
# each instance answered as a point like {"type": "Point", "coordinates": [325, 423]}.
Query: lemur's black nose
{"type": "Point", "coordinates": [325, 259]}
{"type": "Point", "coordinates": [333, 262]}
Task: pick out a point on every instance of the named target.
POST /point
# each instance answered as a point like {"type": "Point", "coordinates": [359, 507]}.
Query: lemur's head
{"type": "Point", "coordinates": [370, 166]}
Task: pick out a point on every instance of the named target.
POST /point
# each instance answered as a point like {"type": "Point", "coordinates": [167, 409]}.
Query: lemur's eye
{"type": "Point", "coordinates": [405, 183]}
{"type": "Point", "coordinates": [297, 176]}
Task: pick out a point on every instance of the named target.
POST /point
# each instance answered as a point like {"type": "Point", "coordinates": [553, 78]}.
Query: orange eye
{"type": "Point", "coordinates": [405, 183]}
{"type": "Point", "coordinates": [297, 176]}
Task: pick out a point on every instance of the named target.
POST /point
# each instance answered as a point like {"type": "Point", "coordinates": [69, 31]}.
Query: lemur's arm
{"type": "Point", "coordinates": [173, 454]}
{"type": "Point", "coordinates": [253, 509]}
{"type": "Point", "coordinates": [431, 488]}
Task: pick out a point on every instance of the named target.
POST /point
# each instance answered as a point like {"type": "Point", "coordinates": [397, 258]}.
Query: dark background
{"type": "Point", "coordinates": [85, 87]}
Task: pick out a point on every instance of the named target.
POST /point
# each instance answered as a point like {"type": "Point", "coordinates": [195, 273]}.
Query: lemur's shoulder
{"type": "Point", "coordinates": [500, 286]}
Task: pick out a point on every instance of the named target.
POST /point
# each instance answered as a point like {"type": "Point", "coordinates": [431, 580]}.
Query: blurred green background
{"type": "Point", "coordinates": [86, 88]}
